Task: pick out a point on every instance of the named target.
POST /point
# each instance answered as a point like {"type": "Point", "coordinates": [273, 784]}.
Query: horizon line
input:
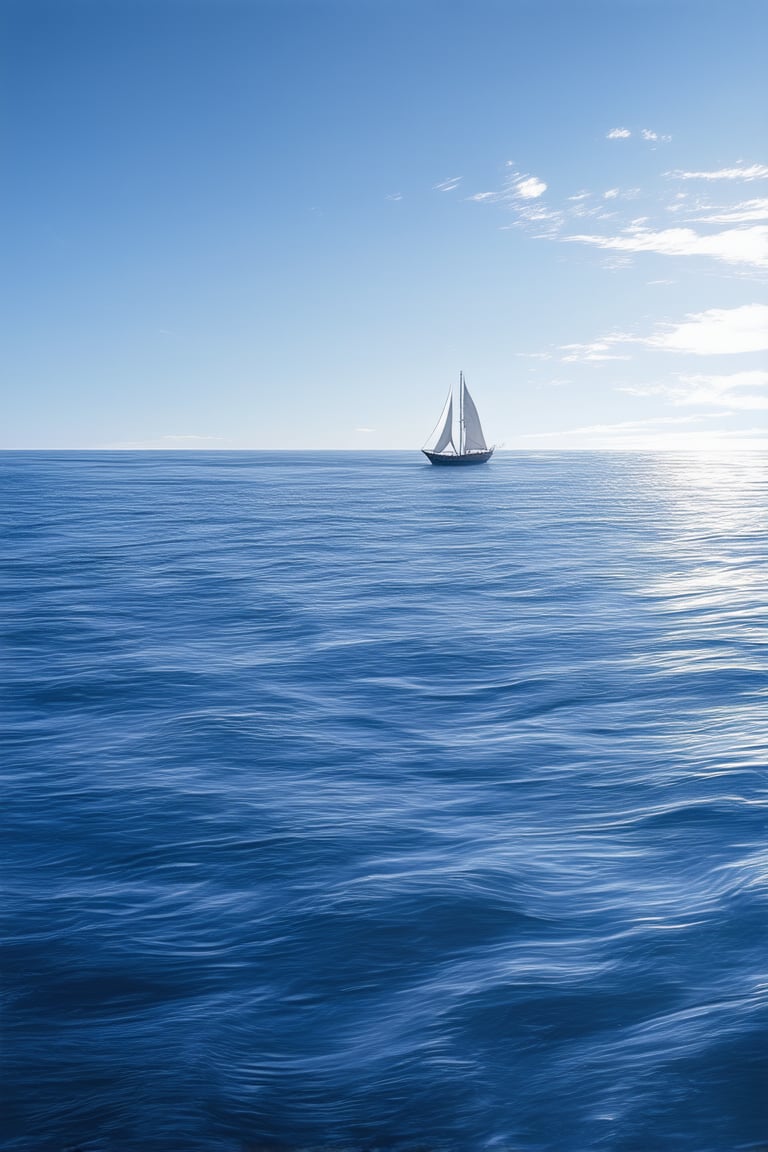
{"type": "Point", "coordinates": [732, 449]}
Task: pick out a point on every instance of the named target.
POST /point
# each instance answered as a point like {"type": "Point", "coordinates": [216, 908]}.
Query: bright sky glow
{"type": "Point", "coordinates": [289, 223]}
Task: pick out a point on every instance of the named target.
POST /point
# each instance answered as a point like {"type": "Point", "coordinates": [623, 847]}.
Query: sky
{"type": "Point", "coordinates": [289, 224]}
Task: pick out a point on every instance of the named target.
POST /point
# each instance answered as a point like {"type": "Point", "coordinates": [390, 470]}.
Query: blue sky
{"type": "Point", "coordinates": [289, 223]}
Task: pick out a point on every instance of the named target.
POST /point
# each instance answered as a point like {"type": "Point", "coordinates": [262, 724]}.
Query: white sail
{"type": "Point", "coordinates": [474, 441]}
{"type": "Point", "coordinates": [444, 428]}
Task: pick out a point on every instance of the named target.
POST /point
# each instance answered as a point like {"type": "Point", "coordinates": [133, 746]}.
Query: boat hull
{"type": "Point", "coordinates": [452, 459]}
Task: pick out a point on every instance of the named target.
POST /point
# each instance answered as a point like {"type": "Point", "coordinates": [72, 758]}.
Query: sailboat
{"type": "Point", "coordinates": [469, 446]}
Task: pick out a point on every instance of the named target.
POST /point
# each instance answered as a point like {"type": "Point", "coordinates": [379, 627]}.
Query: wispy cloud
{"type": "Point", "coordinates": [394, 196]}
{"type": "Point", "coordinates": [447, 185]}
{"type": "Point", "coordinates": [699, 433]}
{"type": "Point", "coordinates": [517, 188]}
{"type": "Point", "coordinates": [621, 426]}
{"type": "Point", "coordinates": [618, 134]}
{"type": "Point", "coordinates": [734, 390]}
{"type": "Point", "coordinates": [718, 331]}
{"type": "Point", "coordinates": [747, 246]}
{"type": "Point", "coordinates": [733, 231]}
{"type": "Point", "coordinates": [739, 172]}
{"type": "Point", "coordinates": [603, 349]}
{"type": "Point", "coordinates": [365, 429]}
{"type": "Point", "coordinates": [746, 211]}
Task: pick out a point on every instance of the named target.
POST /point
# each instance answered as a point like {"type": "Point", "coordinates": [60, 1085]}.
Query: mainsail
{"type": "Point", "coordinates": [474, 441]}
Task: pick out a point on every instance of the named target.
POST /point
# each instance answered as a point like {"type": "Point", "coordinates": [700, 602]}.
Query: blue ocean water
{"type": "Point", "coordinates": [356, 804]}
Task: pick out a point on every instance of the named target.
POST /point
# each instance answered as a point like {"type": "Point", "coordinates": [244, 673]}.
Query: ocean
{"type": "Point", "coordinates": [354, 804]}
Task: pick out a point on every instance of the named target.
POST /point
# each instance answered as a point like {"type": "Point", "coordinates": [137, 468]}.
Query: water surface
{"type": "Point", "coordinates": [357, 804]}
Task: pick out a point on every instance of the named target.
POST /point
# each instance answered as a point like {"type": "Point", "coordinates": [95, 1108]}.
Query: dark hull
{"type": "Point", "coordinates": [467, 458]}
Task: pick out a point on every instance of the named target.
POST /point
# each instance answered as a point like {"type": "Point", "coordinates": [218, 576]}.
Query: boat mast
{"type": "Point", "coordinates": [461, 412]}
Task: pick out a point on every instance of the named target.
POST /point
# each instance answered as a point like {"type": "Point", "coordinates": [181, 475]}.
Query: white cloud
{"type": "Point", "coordinates": [530, 188]}
{"type": "Point", "coordinates": [612, 218]}
{"type": "Point", "coordinates": [618, 134]}
{"type": "Point", "coordinates": [673, 433]}
{"type": "Point", "coordinates": [365, 429]}
{"type": "Point", "coordinates": [734, 246]}
{"type": "Point", "coordinates": [621, 426]}
{"type": "Point", "coordinates": [717, 331]}
{"type": "Point", "coordinates": [738, 213]}
{"type": "Point", "coordinates": [647, 134]}
{"type": "Point", "coordinates": [597, 350]}
{"type": "Point", "coordinates": [447, 185]}
{"type": "Point", "coordinates": [190, 436]}
{"type": "Point", "coordinates": [722, 391]}
{"type": "Point", "coordinates": [394, 196]}
{"type": "Point", "coordinates": [752, 172]}
{"type": "Point", "coordinates": [517, 186]}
